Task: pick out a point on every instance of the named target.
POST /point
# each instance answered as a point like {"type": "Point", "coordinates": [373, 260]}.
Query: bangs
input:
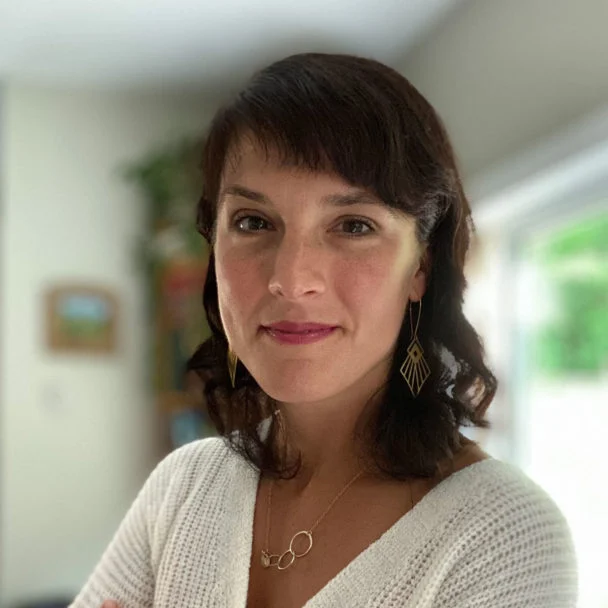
{"type": "Point", "coordinates": [357, 119]}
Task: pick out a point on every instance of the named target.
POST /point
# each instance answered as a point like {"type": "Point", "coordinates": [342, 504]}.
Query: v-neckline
{"type": "Point", "coordinates": [413, 525]}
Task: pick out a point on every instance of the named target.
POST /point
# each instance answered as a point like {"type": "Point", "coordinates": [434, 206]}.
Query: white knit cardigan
{"type": "Point", "coordinates": [485, 537]}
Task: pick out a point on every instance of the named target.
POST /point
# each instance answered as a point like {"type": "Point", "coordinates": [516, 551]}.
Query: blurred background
{"type": "Point", "coordinates": [102, 109]}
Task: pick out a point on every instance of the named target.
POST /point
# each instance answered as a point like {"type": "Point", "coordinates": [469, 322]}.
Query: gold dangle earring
{"type": "Point", "coordinates": [415, 369]}
{"type": "Point", "coordinates": [233, 361]}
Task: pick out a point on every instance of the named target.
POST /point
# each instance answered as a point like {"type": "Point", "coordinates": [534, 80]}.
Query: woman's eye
{"type": "Point", "coordinates": [255, 223]}
{"type": "Point", "coordinates": [356, 227]}
{"type": "Point", "coordinates": [250, 223]}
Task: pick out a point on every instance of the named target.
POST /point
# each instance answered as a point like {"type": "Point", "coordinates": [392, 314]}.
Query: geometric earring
{"type": "Point", "coordinates": [415, 369]}
{"type": "Point", "coordinates": [232, 363]}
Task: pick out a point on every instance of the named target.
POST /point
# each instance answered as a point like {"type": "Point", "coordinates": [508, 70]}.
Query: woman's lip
{"type": "Point", "coordinates": [307, 337]}
{"type": "Point", "coordinates": [297, 328]}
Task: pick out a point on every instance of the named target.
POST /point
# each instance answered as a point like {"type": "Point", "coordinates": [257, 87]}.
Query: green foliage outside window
{"type": "Point", "coordinates": [575, 262]}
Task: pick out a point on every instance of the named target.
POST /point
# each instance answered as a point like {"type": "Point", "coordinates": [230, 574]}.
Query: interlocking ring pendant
{"type": "Point", "coordinates": [286, 559]}
{"type": "Point", "coordinates": [269, 559]}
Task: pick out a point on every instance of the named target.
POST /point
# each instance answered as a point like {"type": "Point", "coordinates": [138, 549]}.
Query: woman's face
{"type": "Point", "coordinates": [300, 247]}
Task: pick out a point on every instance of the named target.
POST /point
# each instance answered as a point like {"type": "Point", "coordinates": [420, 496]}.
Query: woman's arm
{"type": "Point", "coordinates": [125, 572]}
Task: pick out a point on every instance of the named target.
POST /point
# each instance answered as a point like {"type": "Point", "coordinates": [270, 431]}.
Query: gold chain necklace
{"type": "Point", "coordinates": [287, 558]}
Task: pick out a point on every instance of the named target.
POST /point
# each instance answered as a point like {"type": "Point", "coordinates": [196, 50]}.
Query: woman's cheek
{"type": "Point", "coordinates": [362, 273]}
{"type": "Point", "coordinates": [240, 282]}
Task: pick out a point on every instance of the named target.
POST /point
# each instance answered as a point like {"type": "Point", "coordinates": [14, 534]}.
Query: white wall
{"type": "Point", "coordinates": [78, 435]}
{"type": "Point", "coordinates": [506, 73]}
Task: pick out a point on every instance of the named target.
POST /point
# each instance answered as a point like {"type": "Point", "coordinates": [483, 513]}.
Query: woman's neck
{"type": "Point", "coordinates": [327, 438]}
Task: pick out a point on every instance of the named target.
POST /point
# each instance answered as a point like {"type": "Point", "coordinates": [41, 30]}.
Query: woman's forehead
{"type": "Point", "coordinates": [264, 169]}
{"type": "Point", "coordinates": [265, 181]}
{"type": "Point", "coordinates": [251, 153]}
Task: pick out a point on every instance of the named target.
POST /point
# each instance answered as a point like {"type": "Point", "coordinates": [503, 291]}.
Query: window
{"type": "Point", "coordinates": [538, 295]}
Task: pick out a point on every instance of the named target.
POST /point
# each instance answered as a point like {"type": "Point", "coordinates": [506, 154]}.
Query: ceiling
{"type": "Point", "coordinates": [195, 44]}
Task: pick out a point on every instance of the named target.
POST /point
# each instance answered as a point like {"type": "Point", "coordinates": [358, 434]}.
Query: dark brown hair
{"type": "Point", "coordinates": [366, 123]}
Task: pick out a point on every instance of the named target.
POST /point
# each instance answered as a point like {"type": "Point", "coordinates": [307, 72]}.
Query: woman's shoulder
{"type": "Point", "coordinates": [209, 449]}
{"type": "Point", "coordinates": [500, 490]}
{"type": "Point", "coordinates": [494, 506]}
{"type": "Point", "coordinates": [197, 466]}
{"type": "Point", "coordinates": [202, 459]}
{"type": "Point", "coordinates": [495, 517]}
{"type": "Point", "coordinates": [474, 484]}
{"type": "Point", "coordinates": [505, 487]}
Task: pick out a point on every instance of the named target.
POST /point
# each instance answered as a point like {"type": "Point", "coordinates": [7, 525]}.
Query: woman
{"type": "Point", "coordinates": [340, 372]}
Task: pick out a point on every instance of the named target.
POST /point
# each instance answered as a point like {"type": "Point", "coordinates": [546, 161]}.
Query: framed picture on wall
{"type": "Point", "coordinates": [81, 319]}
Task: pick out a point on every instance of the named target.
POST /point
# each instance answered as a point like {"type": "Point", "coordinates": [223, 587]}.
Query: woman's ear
{"type": "Point", "coordinates": [419, 280]}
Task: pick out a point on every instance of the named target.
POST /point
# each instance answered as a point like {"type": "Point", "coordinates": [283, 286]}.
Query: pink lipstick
{"type": "Point", "coordinates": [287, 332]}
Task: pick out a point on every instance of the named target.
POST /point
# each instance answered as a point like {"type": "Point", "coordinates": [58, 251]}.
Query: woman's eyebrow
{"type": "Point", "coordinates": [356, 197]}
{"type": "Point", "coordinates": [243, 192]}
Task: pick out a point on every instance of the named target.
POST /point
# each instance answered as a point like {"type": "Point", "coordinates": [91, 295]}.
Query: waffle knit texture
{"type": "Point", "coordinates": [485, 537]}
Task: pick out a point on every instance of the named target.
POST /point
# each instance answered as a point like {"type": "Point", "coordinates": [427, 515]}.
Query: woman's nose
{"type": "Point", "coordinates": [298, 269]}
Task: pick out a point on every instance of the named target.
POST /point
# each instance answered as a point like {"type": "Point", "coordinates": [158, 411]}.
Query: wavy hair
{"type": "Point", "coordinates": [368, 124]}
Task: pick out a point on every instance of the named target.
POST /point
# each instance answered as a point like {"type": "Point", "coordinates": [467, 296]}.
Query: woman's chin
{"type": "Point", "coordinates": [291, 390]}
